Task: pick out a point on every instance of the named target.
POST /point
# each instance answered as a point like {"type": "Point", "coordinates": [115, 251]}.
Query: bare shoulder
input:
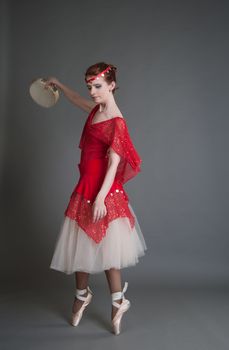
{"type": "Point", "coordinates": [118, 115]}
{"type": "Point", "coordinates": [119, 118]}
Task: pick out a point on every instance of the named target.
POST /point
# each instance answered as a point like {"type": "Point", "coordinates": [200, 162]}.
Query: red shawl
{"type": "Point", "coordinates": [114, 133]}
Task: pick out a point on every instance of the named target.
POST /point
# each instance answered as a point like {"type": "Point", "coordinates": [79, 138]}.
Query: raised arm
{"type": "Point", "coordinates": [71, 95]}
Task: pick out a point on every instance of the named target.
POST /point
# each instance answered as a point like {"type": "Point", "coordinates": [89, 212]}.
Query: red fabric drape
{"type": "Point", "coordinates": [114, 133]}
{"type": "Point", "coordinates": [95, 141]}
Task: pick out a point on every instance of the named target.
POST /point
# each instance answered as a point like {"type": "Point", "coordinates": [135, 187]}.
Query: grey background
{"type": "Point", "coordinates": [172, 59]}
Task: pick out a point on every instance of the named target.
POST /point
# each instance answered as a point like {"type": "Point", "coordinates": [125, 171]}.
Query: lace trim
{"type": "Point", "coordinates": [80, 210]}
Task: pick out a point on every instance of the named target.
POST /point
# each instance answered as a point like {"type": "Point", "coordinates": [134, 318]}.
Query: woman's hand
{"type": "Point", "coordinates": [52, 81]}
{"type": "Point", "coordinates": [99, 208]}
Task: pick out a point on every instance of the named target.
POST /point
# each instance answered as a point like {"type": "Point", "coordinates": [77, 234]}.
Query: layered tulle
{"type": "Point", "coordinates": [76, 251]}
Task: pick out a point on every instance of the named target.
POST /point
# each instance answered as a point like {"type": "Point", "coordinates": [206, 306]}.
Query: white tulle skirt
{"type": "Point", "coordinates": [76, 251]}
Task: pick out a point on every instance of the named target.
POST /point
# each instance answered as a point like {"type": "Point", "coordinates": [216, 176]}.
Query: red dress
{"type": "Point", "coordinates": [95, 142]}
{"type": "Point", "coordinates": [116, 240]}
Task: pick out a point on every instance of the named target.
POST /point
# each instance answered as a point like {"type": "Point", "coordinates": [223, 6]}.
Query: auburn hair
{"type": "Point", "coordinates": [98, 68]}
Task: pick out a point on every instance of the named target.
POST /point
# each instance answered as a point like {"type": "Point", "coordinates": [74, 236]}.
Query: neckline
{"type": "Point", "coordinates": [107, 120]}
{"type": "Point", "coordinates": [102, 121]}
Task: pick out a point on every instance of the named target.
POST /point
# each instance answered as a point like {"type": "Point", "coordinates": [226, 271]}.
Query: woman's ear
{"type": "Point", "coordinates": [113, 85]}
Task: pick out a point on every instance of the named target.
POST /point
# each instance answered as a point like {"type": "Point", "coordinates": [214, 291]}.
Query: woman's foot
{"type": "Point", "coordinates": [82, 300]}
{"type": "Point", "coordinates": [121, 304]}
{"type": "Point", "coordinates": [78, 303]}
{"type": "Point", "coordinates": [114, 309]}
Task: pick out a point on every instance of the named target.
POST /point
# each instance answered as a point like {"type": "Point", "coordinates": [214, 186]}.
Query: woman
{"type": "Point", "coordinates": [100, 231]}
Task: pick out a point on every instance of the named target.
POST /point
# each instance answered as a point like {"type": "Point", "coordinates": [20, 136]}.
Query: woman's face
{"type": "Point", "coordinates": [99, 89]}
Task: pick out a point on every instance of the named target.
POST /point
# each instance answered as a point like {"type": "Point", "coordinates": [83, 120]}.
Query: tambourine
{"type": "Point", "coordinates": [45, 97]}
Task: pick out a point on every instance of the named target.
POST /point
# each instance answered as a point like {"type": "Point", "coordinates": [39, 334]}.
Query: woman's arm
{"type": "Point", "coordinates": [72, 95]}
{"type": "Point", "coordinates": [99, 208]}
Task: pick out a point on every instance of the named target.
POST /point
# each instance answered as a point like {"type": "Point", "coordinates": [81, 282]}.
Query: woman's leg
{"type": "Point", "coordinates": [81, 280]}
{"type": "Point", "coordinates": [115, 285]}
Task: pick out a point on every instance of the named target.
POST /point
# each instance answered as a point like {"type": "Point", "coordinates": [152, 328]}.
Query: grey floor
{"type": "Point", "coordinates": [159, 318]}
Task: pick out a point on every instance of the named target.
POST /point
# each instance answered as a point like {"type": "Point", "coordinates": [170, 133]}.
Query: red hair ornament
{"type": "Point", "coordinates": [98, 75]}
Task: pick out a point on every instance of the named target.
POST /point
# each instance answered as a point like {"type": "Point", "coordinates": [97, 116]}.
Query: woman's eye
{"type": "Point", "coordinates": [97, 87]}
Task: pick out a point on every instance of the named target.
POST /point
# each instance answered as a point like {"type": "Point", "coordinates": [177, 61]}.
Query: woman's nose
{"type": "Point", "coordinates": [92, 91]}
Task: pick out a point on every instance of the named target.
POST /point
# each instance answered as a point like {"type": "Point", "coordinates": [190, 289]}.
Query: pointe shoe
{"type": "Point", "coordinates": [123, 307]}
{"type": "Point", "coordinates": [76, 316]}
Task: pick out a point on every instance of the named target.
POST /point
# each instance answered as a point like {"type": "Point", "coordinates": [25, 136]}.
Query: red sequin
{"type": "Point", "coordinates": [96, 139]}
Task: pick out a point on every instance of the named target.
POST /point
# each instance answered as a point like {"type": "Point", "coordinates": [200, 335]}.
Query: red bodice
{"type": "Point", "coordinates": [96, 139]}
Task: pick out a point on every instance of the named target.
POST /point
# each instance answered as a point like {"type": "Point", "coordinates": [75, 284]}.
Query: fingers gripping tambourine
{"type": "Point", "coordinates": [45, 97]}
